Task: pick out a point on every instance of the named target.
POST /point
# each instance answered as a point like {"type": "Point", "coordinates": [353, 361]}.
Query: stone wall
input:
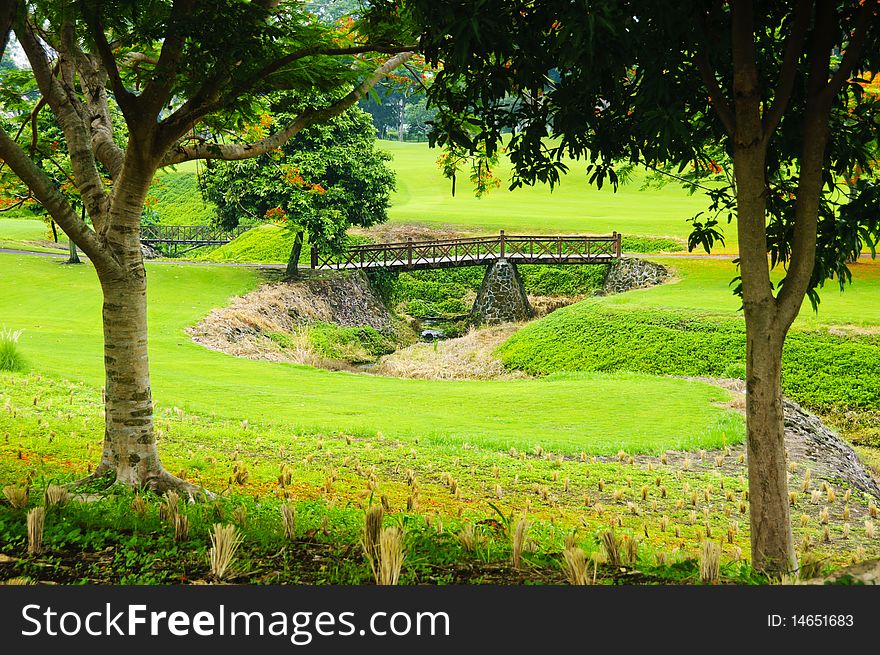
{"type": "Point", "coordinates": [832, 458]}
{"type": "Point", "coordinates": [502, 296]}
{"type": "Point", "coordinates": [631, 273]}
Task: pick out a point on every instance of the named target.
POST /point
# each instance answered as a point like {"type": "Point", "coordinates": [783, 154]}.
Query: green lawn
{"type": "Point", "coordinates": [692, 327]}
{"type": "Point", "coordinates": [703, 285]}
{"type": "Point", "coordinates": [59, 309]}
{"type": "Point", "coordinates": [28, 234]}
{"type": "Point", "coordinates": [424, 195]}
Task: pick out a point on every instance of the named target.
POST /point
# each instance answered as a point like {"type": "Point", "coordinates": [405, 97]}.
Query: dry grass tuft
{"type": "Point", "coordinates": [630, 550]}
{"type": "Point", "coordinates": [240, 473]}
{"type": "Point", "coordinates": [710, 562]}
{"type": "Point", "coordinates": [386, 560]}
{"type": "Point", "coordinates": [36, 518]}
{"type": "Point", "coordinates": [518, 542]}
{"type": "Point", "coordinates": [225, 540]}
{"type": "Point", "coordinates": [16, 496]}
{"type": "Point", "coordinates": [181, 527]}
{"type": "Point", "coordinates": [170, 507]}
{"type": "Point", "coordinates": [576, 567]}
{"type": "Point", "coordinates": [373, 529]}
{"type": "Point", "coordinates": [611, 547]}
{"type": "Point", "coordinates": [56, 495]}
{"type": "Point", "coordinates": [468, 537]}
{"type": "Point", "coordinates": [288, 520]}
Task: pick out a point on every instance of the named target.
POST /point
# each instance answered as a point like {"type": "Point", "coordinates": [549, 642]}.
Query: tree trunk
{"type": "Point", "coordinates": [293, 262]}
{"type": "Point", "coordinates": [73, 257]}
{"type": "Point", "coordinates": [130, 451]}
{"type": "Point", "coordinates": [771, 536]}
{"type": "Point", "coordinates": [772, 541]}
{"type": "Point", "coordinates": [130, 443]}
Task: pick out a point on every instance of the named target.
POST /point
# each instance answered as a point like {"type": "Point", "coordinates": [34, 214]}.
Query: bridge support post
{"type": "Point", "coordinates": [502, 296]}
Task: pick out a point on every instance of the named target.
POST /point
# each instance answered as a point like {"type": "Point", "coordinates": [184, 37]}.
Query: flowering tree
{"type": "Point", "coordinates": [325, 179]}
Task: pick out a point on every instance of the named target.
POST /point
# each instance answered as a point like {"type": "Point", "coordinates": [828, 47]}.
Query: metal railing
{"type": "Point", "coordinates": [472, 251]}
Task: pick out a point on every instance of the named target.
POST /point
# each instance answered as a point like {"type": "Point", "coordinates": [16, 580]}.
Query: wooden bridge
{"type": "Point", "coordinates": [472, 251]}
{"type": "Point", "coordinates": [190, 235]}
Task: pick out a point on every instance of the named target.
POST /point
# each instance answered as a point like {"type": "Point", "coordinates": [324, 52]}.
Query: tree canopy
{"type": "Point", "coordinates": [325, 179]}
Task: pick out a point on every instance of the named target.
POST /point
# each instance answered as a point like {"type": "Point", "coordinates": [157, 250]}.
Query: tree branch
{"type": "Point", "coordinates": [794, 45]}
{"type": "Point", "coordinates": [230, 152]}
{"type": "Point", "coordinates": [126, 100]}
{"type": "Point", "coordinates": [155, 95]}
{"type": "Point", "coordinates": [719, 103]}
{"type": "Point", "coordinates": [53, 200]}
{"type": "Point", "coordinates": [7, 16]}
{"type": "Point", "coordinates": [74, 122]}
{"type": "Point", "coordinates": [93, 80]}
{"type": "Point", "coordinates": [318, 51]}
{"type": "Point", "coordinates": [809, 187]}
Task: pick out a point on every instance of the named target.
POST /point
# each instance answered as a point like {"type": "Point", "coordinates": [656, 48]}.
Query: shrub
{"type": "Point", "coordinates": [10, 357]}
{"type": "Point", "coordinates": [420, 308]}
{"type": "Point", "coordinates": [351, 344]}
{"type": "Point", "coordinates": [737, 370]}
{"type": "Point", "coordinates": [567, 280]}
{"type": "Point", "coordinates": [650, 244]}
{"type": "Point", "coordinates": [822, 370]}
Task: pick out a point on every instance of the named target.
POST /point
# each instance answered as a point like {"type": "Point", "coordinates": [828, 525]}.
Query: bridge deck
{"type": "Point", "coordinates": [473, 251]}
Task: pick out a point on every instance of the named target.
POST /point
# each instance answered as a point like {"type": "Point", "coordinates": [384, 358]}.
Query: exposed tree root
{"type": "Point", "coordinates": [103, 482]}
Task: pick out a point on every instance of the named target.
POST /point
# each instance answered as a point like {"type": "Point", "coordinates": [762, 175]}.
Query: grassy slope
{"type": "Point", "coordinates": [704, 286]}
{"type": "Point", "coordinates": [266, 244]}
{"type": "Point", "coordinates": [597, 413]}
{"type": "Point", "coordinates": [424, 195]}
{"type": "Point", "coordinates": [179, 199]}
{"type": "Point", "coordinates": [693, 328]}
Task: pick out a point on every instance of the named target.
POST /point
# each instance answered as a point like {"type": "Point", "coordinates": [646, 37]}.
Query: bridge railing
{"type": "Point", "coordinates": [193, 234]}
{"type": "Point", "coordinates": [472, 250]}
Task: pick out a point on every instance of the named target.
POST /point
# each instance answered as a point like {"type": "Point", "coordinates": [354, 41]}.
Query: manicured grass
{"type": "Point", "coordinates": [179, 201]}
{"type": "Point", "coordinates": [27, 233]}
{"type": "Point", "coordinates": [703, 285]}
{"type": "Point", "coordinates": [424, 196]}
{"type": "Point", "coordinates": [265, 244]}
{"type": "Point", "coordinates": [693, 328]}
{"type": "Point", "coordinates": [59, 309]}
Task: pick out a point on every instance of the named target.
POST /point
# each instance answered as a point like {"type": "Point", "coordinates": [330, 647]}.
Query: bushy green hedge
{"type": "Point", "coordinates": [352, 344]}
{"type": "Point", "coordinates": [822, 370]}
{"type": "Point", "coordinates": [650, 244]}
{"type": "Point", "coordinates": [568, 280]}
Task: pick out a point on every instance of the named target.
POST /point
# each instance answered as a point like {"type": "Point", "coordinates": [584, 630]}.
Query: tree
{"type": "Point", "coordinates": [398, 102]}
{"type": "Point", "coordinates": [327, 178]}
{"type": "Point", "coordinates": [181, 72]}
{"type": "Point", "coordinates": [771, 89]}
